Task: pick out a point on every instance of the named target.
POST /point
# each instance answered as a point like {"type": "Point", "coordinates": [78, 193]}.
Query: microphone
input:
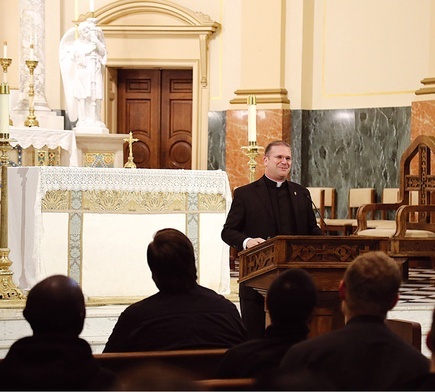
{"type": "Point", "coordinates": [318, 212]}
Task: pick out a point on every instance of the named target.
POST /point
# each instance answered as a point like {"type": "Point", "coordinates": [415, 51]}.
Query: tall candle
{"type": "Point", "coordinates": [4, 110]}
{"type": "Point", "coordinates": [91, 5]}
{"type": "Point", "coordinates": [32, 54]}
{"type": "Point", "coordinates": [5, 50]}
{"type": "Point", "coordinates": [252, 119]}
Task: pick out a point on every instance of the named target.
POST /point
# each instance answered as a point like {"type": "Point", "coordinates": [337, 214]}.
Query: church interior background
{"type": "Point", "coordinates": [347, 83]}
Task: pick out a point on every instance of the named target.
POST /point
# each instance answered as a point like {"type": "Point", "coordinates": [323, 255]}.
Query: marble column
{"type": "Point", "coordinates": [32, 31]}
{"type": "Point", "coordinates": [261, 53]}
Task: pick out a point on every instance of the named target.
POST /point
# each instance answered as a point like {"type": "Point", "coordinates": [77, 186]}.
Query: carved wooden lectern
{"type": "Point", "coordinates": [325, 258]}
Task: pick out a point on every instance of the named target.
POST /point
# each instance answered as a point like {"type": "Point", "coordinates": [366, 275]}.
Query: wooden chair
{"type": "Point", "coordinates": [357, 197]}
{"type": "Point", "coordinates": [325, 200]}
{"type": "Point", "coordinates": [410, 331]}
{"type": "Point", "coordinates": [413, 234]}
{"type": "Point", "coordinates": [389, 195]}
{"type": "Point", "coordinates": [318, 203]}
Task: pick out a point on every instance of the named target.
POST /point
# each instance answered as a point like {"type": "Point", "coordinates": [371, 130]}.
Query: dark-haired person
{"type": "Point", "coordinates": [427, 381]}
{"type": "Point", "coordinates": [54, 358]}
{"type": "Point", "coordinates": [365, 354]}
{"type": "Point", "coordinates": [183, 314]}
{"type": "Point", "coordinates": [290, 300]}
{"type": "Point", "coordinates": [270, 206]}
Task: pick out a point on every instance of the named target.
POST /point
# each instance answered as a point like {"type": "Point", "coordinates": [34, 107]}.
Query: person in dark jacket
{"type": "Point", "coordinates": [183, 314]}
{"type": "Point", "coordinates": [290, 300]}
{"type": "Point", "coordinates": [365, 354]}
{"type": "Point", "coordinates": [54, 358]}
{"type": "Point", "coordinates": [263, 209]}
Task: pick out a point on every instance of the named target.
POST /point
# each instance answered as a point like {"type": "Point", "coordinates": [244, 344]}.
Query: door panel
{"type": "Point", "coordinates": [156, 105]}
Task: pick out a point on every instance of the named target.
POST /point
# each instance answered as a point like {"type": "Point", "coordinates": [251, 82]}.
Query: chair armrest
{"type": "Point", "coordinates": [365, 209]}
{"type": "Point", "coordinates": [402, 219]}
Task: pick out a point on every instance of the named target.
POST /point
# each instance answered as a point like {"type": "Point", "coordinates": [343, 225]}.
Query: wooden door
{"type": "Point", "coordinates": [156, 106]}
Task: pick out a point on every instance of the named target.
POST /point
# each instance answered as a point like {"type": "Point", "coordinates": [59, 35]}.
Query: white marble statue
{"type": "Point", "coordinates": [82, 63]}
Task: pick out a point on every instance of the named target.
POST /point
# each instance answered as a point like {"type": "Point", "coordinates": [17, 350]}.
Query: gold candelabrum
{"type": "Point", "coordinates": [130, 161]}
{"type": "Point", "coordinates": [8, 290]}
{"type": "Point", "coordinates": [6, 62]}
{"type": "Point", "coordinates": [31, 120]}
{"type": "Point", "coordinates": [252, 150]}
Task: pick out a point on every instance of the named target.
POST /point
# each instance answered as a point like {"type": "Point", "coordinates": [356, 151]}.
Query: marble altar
{"type": "Point", "coordinates": [94, 224]}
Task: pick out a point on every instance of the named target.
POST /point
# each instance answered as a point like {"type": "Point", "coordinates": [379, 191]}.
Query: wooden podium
{"type": "Point", "coordinates": [324, 257]}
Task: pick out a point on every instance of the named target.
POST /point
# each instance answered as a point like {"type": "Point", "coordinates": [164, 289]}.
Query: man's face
{"type": "Point", "coordinates": [278, 163]}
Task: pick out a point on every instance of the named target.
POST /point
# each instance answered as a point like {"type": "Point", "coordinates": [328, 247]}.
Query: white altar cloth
{"type": "Point", "coordinates": [52, 138]}
{"type": "Point", "coordinates": [95, 225]}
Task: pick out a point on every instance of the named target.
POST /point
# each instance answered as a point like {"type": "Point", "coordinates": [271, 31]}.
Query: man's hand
{"type": "Point", "coordinates": [254, 241]}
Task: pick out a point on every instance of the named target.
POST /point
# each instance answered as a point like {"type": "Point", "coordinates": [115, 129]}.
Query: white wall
{"type": "Point", "coordinates": [338, 53]}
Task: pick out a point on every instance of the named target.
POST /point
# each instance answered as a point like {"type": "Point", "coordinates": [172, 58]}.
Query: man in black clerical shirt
{"type": "Point", "coordinates": [263, 209]}
{"type": "Point", "coordinates": [183, 314]}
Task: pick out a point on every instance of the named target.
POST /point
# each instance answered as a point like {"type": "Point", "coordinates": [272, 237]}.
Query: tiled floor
{"type": "Point", "coordinates": [420, 287]}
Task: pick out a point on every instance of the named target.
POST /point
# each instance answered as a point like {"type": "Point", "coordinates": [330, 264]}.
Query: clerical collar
{"type": "Point", "coordinates": [277, 183]}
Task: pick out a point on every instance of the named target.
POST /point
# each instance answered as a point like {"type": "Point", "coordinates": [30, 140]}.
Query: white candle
{"type": "Point", "coordinates": [32, 54]}
{"type": "Point", "coordinates": [5, 50]}
{"type": "Point", "coordinates": [252, 119]}
{"type": "Point", "coordinates": [91, 5]}
{"type": "Point", "coordinates": [4, 113]}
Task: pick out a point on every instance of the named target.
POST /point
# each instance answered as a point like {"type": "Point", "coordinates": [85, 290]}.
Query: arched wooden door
{"type": "Point", "coordinates": [156, 105]}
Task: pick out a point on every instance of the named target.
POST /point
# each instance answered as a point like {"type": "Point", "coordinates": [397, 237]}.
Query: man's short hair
{"type": "Point", "coordinates": [291, 297]}
{"type": "Point", "coordinates": [275, 143]}
{"type": "Point", "coordinates": [372, 284]}
{"type": "Point", "coordinates": [171, 259]}
{"type": "Point", "coordinates": [56, 305]}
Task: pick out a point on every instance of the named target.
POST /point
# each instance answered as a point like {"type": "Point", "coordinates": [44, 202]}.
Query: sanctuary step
{"type": "Point", "coordinates": [416, 304]}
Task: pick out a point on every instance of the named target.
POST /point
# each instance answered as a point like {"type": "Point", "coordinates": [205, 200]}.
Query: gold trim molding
{"type": "Point", "coordinates": [427, 90]}
{"type": "Point", "coordinates": [279, 95]}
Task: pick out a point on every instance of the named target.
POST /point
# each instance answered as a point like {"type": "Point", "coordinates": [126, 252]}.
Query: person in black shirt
{"type": "Point", "coordinates": [54, 358]}
{"type": "Point", "coordinates": [183, 314]}
{"type": "Point", "coordinates": [290, 300]}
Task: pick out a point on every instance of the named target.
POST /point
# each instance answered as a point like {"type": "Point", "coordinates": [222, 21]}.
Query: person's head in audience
{"type": "Point", "coordinates": [56, 305]}
{"type": "Point", "coordinates": [171, 259]}
{"type": "Point", "coordinates": [370, 285]}
{"type": "Point", "coordinates": [291, 298]}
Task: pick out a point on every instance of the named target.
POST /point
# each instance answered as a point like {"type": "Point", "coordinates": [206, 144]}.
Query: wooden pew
{"type": "Point", "coordinates": [226, 384]}
{"type": "Point", "coordinates": [410, 331]}
{"type": "Point", "coordinates": [203, 362]}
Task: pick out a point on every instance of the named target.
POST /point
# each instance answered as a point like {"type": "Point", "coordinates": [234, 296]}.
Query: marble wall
{"type": "Point", "coordinates": [352, 148]}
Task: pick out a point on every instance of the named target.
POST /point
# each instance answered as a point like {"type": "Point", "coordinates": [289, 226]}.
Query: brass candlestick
{"type": "Point", "coordinates": [31, 118]}
{"type": "Point", "coordinates": [130, 163]}
{"type": "Point", "coordinates": [6, 62]}
{"type": "Point", "coordinates": [252, 151]}
{"type": "Point", "coordinates": [8, 289]}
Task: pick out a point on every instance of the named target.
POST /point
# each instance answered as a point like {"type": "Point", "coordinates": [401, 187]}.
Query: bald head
{"type": "Point", "coordinates": [57, 305]}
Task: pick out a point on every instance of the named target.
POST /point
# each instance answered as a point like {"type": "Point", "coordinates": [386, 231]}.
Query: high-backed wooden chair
{"type": "Point", "coordinates": [413, 234]}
